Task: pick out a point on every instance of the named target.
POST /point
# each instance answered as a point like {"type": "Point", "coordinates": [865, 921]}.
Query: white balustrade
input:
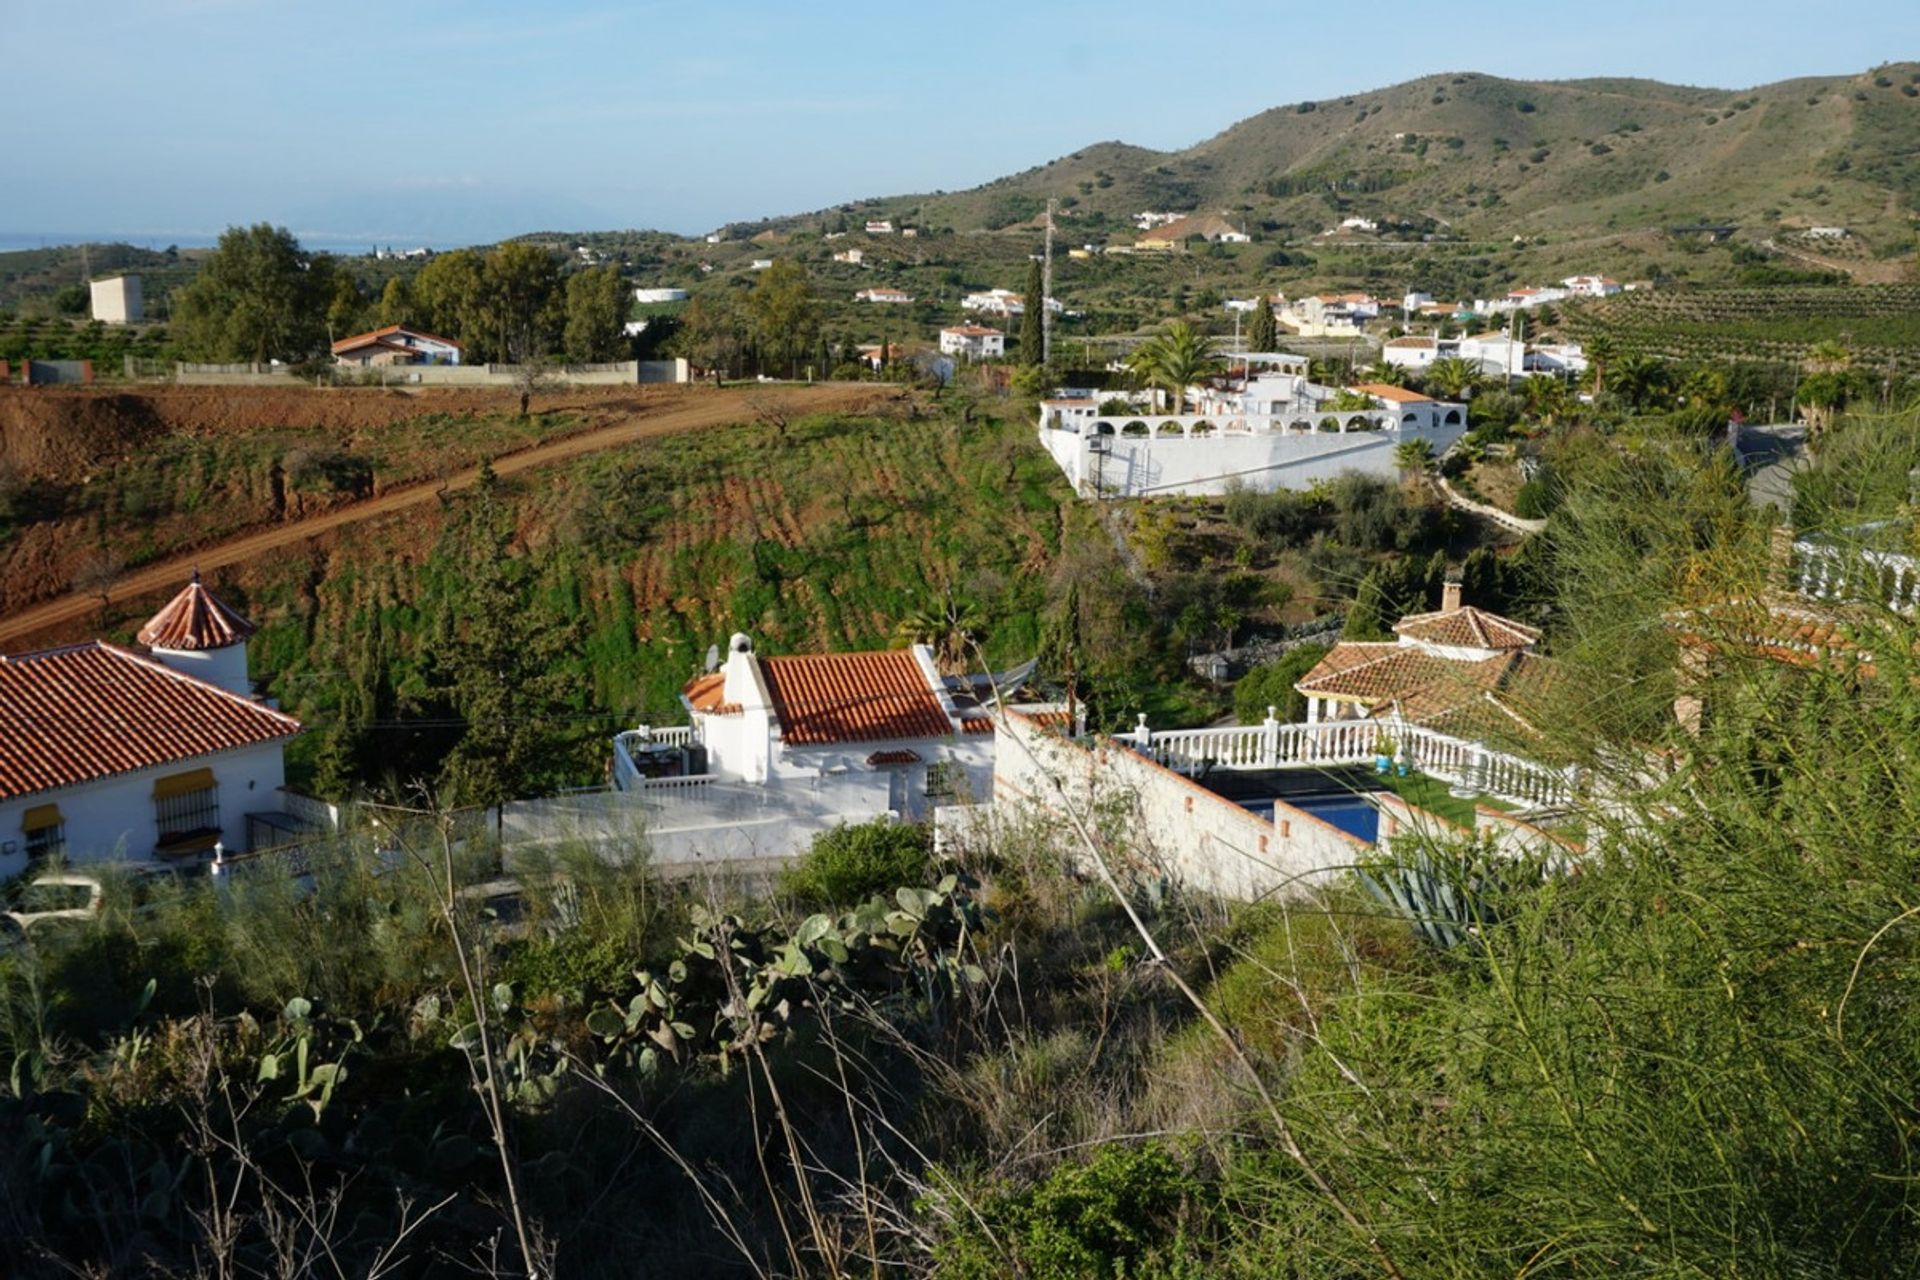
{"type": "Point", "coordinates": [1455, 761]}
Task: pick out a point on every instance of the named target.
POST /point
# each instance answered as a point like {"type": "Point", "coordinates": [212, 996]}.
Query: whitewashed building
{"type": "Point", "coordinates": [1266, 429]}
{"type": "Point", "coordinates": [659, 294]}
{"type": "Point", "coordinates": [116, 300]}
{"type": "Point", "coordinates": [884, 294]}
{"type": "Point", "coordinates": [396, 344]}
{"type": "Point", "coordinates": [110, 754]}
{"type": "Point", "coordinates": [973, 342]}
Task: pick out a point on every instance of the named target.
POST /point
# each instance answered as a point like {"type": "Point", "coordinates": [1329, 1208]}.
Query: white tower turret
{"type": "Point", "coordinates": [196, 634]}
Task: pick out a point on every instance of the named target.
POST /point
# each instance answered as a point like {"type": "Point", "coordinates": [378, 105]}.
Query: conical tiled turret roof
{"type": "Point", "coordinates": [195, 619]}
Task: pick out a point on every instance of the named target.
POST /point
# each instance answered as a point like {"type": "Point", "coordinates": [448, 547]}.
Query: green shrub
{"type": "Point", "coordinates": [1126, 1212]}
{"type": "Point", "coordinates": [1271, 685]}
{"type": "Point", "coordinates": [848, 865]}
{"type": "Point", "coordinates": [1535, 501]}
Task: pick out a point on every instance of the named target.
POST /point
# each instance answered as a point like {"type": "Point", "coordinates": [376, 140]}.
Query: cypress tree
{"type": "Point", "coordinates": [1032, 343]}
{"type": "Point", "coordinates": [1366, 619]}
{"type": "Point", "coordinates": [1264, 335]}
{"type": "Point", "coordinates": [1435, 580]}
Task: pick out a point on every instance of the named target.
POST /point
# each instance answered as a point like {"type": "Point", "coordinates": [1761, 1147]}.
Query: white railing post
{"type": "Point", "coordinates": [1270, 739]}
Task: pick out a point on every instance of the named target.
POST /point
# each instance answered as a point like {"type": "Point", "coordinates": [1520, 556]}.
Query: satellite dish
{"type": "Point", "coordinates": [713, 658]}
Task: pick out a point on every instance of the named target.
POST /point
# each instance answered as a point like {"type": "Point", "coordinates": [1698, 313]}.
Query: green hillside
{"type": "Point", "coordinates": [1484, 157]}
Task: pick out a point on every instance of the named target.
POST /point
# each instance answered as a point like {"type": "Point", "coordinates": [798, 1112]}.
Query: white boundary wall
{"type": "Point", "coordinates": [1201, 457]}
{"type": "Point", "coordinates": [1149, 812]}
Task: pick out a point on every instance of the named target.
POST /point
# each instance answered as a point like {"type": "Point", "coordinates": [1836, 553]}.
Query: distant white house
{"type": "Point", "coordinates": [1410, 352]}
{"type": "Point", "coordinates": [1590, 286]}
{"type": "Point", "coordinates": [1330, 314]}
{"type": "Point", "coordinates": [1148, 220]}
{"type": "Point", "coordinates": [396, 344]}
{"type": "Point", "coordinates": [116, 300]}
{"type": "Point", "coordinates": [1003, 302]}
{"type": "Point", "coordinates": [879, 227]}
{"type": "Point", "coordinates": [1353, 226]}
{"type": "Point", "coordinates": [1494, 352]}
{"type": "Point", "coordinates": [652, 295]}
{"type": "Point", "coordinates": [1265, 426]}
{"type": "Point", "coordinates": [760, 264]}
{"type": "Point", "coordinates": [1826, 233]}
{"type": "Point", "coordinates": [854, 256]}
{"type": "Point", "coordinates": [974, 342]}
{"type": "Point", "coordinates": [883, 294]}
{"type": "Point", "coordinates": [112, 753]}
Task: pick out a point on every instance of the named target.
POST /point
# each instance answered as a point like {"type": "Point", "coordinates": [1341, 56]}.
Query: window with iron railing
{"type": "Point", "coordinates": [186, 809]}
{"type": "Point", "coordinates": [45, 832]}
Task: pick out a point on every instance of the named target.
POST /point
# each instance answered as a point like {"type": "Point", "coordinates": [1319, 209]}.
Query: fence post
{"type": "Point", "coordinates": [1270, 738]}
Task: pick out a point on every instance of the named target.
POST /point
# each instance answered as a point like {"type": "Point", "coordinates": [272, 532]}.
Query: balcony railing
{"type": "Point", "coordinates": [626, 774]}
{"type": "Point", "coordinates": [1835, 572]}
{"type": "Point", "coordinates": [1460, 763]}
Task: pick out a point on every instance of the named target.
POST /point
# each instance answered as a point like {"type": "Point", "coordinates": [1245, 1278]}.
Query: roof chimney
{"type": "Point", "coordinates": [1450, 596]}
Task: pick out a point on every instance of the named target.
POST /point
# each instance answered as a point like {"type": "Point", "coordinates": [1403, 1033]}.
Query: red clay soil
{"type": "Point", "coordinates": [68, 431]}
{"type": "Point", "coordinates": [65, 432]}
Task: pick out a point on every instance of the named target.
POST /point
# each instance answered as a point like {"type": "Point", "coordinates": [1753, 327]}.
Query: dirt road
{"type": "Point", "coordinates": [699, 410]}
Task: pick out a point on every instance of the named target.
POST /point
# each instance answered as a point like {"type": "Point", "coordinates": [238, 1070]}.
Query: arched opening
{"type": "Point", "coordinates": [1201, 428]}
{"type": "Point", "coordinates": [1103, 428]}
{"type": "Point", "coordinates": [1453, 418]}
{"type": "Point", "coordinates": [1135, 428]}
{"type": "Point", "coordinates": [1411, 420]}
{"type": "Point", "coordinates": [1300, 425]}
{"type": "Point", "coordinates": [1329, 423]}
{"type": "Point", "coordinates": [1170, 429]}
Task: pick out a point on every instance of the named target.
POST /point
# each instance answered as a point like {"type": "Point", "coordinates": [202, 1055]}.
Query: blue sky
{"type": "Point", "coordinates": [467, 122]}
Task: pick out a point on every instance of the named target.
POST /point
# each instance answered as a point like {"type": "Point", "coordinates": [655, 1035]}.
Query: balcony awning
{"type": "Point", "coordinates": [180, 784]}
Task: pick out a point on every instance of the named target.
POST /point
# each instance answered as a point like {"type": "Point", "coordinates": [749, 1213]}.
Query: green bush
{"type": "Point", "coordinates": [1535, 501]}
{"type": "Point", "coordinates": [848, 865]}
{"type": "Point", "coordinates": [1126, 1212]}
{"type": "Point", "coordinates": [1271, 685]}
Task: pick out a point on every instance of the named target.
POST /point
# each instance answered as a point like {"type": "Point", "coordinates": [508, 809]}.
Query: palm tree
{"type": "Point", "coordinates": [1382, 371]}
{"type": "Point", "coordinates": [1453, 377]}
{"type": "Point", "coordinates": [1547, 399]}
{"type": "Point", "coordinates": [1413, 455]}
{"type": "Point", "coordinates": [1600, 353]}
{"type": "Point", "coordinates": [1174, 361]}
{"type": "Point", "coordinates": [948, 625]}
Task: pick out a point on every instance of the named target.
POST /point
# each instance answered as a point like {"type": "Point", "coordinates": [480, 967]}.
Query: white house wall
{"type": "Point", "coordinates": [113, 819]}
{"type": "Point", "coordinates": [1197, 837]}
{"type": "Point", "coordinates": [1162, 465]}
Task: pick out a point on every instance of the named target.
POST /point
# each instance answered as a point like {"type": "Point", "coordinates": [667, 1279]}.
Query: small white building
{"type": "Point", "coordinates": [659, 294]}
{"type": "Point", "coordinates": [396, 344]}
{"type": "Point", "coordinates": [1410, 352]}
{"type": "Point", "coordinates": [1826, 233]}
{"type": "Point", "coordinates": [853, 256]}
{"type": "Point", "coordinates": [883, 294]}
{"type": "Point", "coordinates": [974, 342]}
{"type": "Point", "coordinates": [760, 264]}
{"type": "Point", "coordinates": [109, 754]}
{"type": "Point", "coordinates": [1591, 286]}
{"type": "Point", "coordinates": [116, 300]}
{"type": "Point", "coordinates": [879, 227]}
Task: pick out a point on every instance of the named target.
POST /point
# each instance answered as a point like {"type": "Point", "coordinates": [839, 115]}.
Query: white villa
{"type": "Point", "coordinates": [1330, 314]}
{"type": "Point", "coordinates": [649, 294]}
{"type": "Point", "coordinates": [973, 342]}
{"type": "Point", "coordinates": [879, 227]}
{"type": "Point", "coordinates": [1591, 286]}
{"type": "Point", "coordinates": [780, 749]}
{"type": "Point", "coordinates": [1453, 669]}
{"type": "Point", "coordinates": [1495, 352]}
{"type": "Point", "coordinates": [883, 294]}
{"type": "Point", "coordinates": [1266, 427]}
{"type": "Point", "coordinates": [396, 344]}
{"type": "Point", "coordinates": [1004, 302]}
{"type": "Point", "coordinates": [108, 753]}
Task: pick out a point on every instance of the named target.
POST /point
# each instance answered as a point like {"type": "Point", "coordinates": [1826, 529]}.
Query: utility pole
{"type": "Point", "coordinates": [1046, 290]}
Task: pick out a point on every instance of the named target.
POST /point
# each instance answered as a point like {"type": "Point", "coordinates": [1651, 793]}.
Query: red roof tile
{"type": "Point", "coordinates": [881, 758]}
{"type": "Point", "coordinates": [91, 711]}
{"type": "Point", "coordinates": [1399, 395]}
{"type": "Point", "coordinates": [195, 619]}
{"type": "Point", "coordinates": [853, 697]}
{"type": "Point", "coordinates": [375, 337]}
{"type": "Point", "coordinates": [1467, 627]}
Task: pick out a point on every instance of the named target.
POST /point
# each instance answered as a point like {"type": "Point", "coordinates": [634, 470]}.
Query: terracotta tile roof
{"type": "Point", "coordinates": [377, 336]}
{"type": "Point", "coordinates": [1467, 627]}
{"type": "Point", "coordinates": [708, 693]}
{"type": "Point", "coordinates": [978, 724]}
{"type": "Point", "coordinates": [853, 697]}
{"type": "Point", "coordinates": [882, 758]}
{"type": "Point", "coordinates": [1467, 699]}
{"type": "Point", "coordinates": [1383, 391]}
{"type": "Point", "coordinates": [90, 711]}
{"type": "Point", "coordinates": [195, 619]}
{"type": "Point", "coordinates": [1375, 673]}
{"type": "Point", "coordinates": [1413, 342]}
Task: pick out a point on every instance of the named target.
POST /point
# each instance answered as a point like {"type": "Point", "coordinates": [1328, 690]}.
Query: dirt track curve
{"type": "Point", "coordinates": [706, 410]}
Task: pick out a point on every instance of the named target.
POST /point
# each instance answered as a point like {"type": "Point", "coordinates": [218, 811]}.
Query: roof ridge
{"type": "Point", "coordinates": [146, 660]}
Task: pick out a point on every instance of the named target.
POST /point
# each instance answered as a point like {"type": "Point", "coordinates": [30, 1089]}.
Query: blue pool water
{"type": "Point", "coordinates": [1351, 813]}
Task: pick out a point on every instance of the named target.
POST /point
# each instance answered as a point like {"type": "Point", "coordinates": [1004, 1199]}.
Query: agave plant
{"type": "Point", "coordinates": [1447, 898]}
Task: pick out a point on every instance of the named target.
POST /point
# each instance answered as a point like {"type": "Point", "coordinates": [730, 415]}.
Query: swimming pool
{"type": "Point", "coordinates": [1353, 814]}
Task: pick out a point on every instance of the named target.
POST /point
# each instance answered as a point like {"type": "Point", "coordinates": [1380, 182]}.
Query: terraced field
{"type": "Point", "coordinates": [1879, 324]}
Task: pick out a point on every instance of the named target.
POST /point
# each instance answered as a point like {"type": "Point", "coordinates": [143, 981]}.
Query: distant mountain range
{"type": "Point", "coordinates": [1494, 158]}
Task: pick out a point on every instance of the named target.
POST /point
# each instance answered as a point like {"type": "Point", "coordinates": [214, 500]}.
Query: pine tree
{"type": "Point", "coordinates": [1435, 579]}
{"type": "Point", "coordinates": [1032, 340]}
{"type": "Point", "coordinates": [1482, 580]}
{"type": "Point", "coordinates": [1264, 335]}
{"type": "Point", "coordinates": [1366, 618]}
